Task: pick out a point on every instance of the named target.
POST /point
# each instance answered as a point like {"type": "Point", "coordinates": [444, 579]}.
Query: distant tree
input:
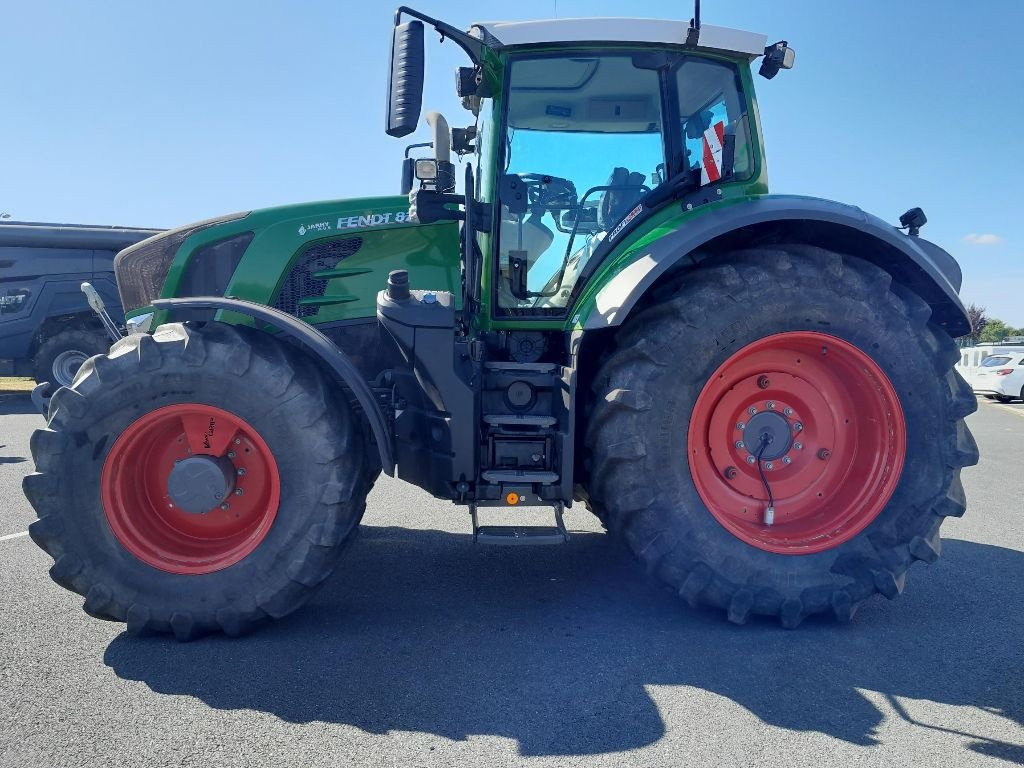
{"type": "Point", "coordinates": [978, 320]}
{"type": "Point", "coordinates": [995, 330]}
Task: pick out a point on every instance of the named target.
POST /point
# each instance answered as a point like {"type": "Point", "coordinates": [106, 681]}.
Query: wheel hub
{"type": "Point", "coordinates": [199, 484]}
{"type": "Point", "coordinates": [769, 435]}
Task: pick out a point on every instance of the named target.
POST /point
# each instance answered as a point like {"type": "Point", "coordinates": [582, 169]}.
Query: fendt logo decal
{"type": "Point", "coordinates": [368, 220]}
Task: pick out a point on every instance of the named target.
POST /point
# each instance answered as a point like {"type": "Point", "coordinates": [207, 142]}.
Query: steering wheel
{"type": "Point", "coordinates": [549, 193]}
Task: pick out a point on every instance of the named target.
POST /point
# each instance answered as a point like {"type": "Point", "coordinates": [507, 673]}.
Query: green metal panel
{"type": "Point", "coordinates": [282, 235]}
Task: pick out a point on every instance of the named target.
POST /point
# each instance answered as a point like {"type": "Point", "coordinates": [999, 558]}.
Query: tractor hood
{"type": "Point", "coordinates": [310, 259]}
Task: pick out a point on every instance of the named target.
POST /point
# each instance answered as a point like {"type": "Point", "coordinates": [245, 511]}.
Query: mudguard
{"type": "Point", "coordinates": [313, 340]}
{"type": "Point", "coordinates": [916, 263]}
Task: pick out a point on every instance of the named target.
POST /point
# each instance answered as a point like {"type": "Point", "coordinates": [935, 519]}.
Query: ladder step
{"type": "Point", "coordinates": [520, 535]}
{"type": "Point", "coordinates": [520, 419]}
{"type": "Point", "coordinates": [520, 476]}
{"type": "Point", "coordinates": [521, 367]}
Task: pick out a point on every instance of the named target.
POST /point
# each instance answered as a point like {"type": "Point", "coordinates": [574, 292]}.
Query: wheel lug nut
{"type": "Point", "coordinates": [751, 459]}
{"type": "Point", "coordinates": [786, 460]}
{"type": "Point", "coordinates": [730, 473]}
{"type": "Point", "coordinates": [231, 454]}
{"type": "Point", "coordinates": [238, 491]}
{"type": "Point", "coordinates": [740, 426]}
{"type": "Point", "coordinates": [241, 471]}
{"type": "Point", "coordinates": [798, 427]}
{"type": "Point", "coordinates": [770, 405]}
{"type": "Point", "coordinates": [788, 411]}
{"type": "Point", "coordinates": [762, 382]}
{"type": "Point", "coordinates": [223, 506]}
{"type": "Point", "coordinates": [798, 445]}
{"type": "Point", "coordinates": [751, 410]}
{"type": "Point", "coordinates": [738, 444]}
{"type": "Point", "coordinates": [824, 453]}
{"type": "Point", "coordinates": [769, 465]}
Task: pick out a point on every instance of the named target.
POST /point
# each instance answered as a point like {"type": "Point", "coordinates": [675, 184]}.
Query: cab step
{"type": "Point", "coordinates": [520, 476]}
{"type": "Point", "coordinates": [520, 535]}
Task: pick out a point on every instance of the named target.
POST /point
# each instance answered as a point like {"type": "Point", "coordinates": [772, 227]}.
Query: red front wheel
{"type": "Point", "coordinates": [196, 480]}
{"type": "Point", "coordinates": [190, 488]}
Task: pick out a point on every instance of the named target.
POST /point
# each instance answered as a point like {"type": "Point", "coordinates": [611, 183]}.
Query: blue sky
{"type": "Point", "coordinates": [157, 114]}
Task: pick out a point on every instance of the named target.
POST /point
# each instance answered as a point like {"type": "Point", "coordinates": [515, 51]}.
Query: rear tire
{"type": "Point", "coordinates": [667, 355]}
{"type": "Point", "coordinates": [60, 356]}
{"type": "Point", "coordinates": [191, 574]}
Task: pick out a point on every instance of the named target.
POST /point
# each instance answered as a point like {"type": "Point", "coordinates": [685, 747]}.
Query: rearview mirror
{"type": "Point", "coordinates": [405, 89]}
{"type": "Point", "coordinates": [776, 57]}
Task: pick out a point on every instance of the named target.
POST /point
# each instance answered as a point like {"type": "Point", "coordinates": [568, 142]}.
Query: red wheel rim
{"type": "Point", "coordinates": [846, 432]}
{"type": "Point", "coordinates": [141, 512]}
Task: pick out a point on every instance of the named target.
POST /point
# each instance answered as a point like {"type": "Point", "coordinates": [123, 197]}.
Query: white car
{"type": "Point", "coordinates": [1001, 377]}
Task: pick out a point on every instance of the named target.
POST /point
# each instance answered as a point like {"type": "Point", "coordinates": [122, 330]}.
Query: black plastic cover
{"type": "Point", "coordinates": [405, 88]}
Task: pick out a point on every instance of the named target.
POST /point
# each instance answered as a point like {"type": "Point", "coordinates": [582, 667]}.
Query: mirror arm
{"type": "Point", "coordinates": [473, 47]}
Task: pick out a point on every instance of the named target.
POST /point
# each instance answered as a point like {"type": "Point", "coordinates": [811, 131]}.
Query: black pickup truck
{"type": "Point", "coordinates": [47, 329]}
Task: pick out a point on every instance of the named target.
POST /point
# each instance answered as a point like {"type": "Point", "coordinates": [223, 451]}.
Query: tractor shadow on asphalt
{"type": "Point", "coordinates": [422, 631]}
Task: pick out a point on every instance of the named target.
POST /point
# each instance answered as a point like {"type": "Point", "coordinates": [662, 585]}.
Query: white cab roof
{"type": "Point", "coordinates": [622, 30]}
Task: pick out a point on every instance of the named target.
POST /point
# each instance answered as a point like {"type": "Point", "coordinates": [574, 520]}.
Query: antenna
{"type": "Point", "coordinates": [693, 34]}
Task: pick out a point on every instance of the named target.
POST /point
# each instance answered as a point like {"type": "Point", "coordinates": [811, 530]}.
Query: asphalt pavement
{"type": "Point", "coordinates": [425, 650]}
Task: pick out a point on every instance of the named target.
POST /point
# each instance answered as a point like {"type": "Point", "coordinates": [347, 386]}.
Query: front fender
{"type": "Point", "coordinates": [918, 264]}
{"type": "Point", "coordinates": [313, 340]}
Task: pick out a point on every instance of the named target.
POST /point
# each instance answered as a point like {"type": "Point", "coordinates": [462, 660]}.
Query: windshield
{"type": "Point", "coordinates": [587, 137]}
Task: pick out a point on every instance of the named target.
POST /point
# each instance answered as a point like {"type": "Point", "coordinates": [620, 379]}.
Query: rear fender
{"type": "Point", "coordinates": [918, 264]}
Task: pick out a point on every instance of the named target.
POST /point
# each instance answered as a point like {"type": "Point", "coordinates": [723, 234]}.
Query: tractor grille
{"type": "Point", "coordinates": [301, 284]}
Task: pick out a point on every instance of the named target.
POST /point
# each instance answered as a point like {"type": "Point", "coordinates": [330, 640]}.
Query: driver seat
{"type": "Point", "coordinates": [625, 188]}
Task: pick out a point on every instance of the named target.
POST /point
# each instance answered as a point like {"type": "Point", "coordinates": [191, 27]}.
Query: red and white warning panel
{"type": "Point", "coordinates": [711, 165]}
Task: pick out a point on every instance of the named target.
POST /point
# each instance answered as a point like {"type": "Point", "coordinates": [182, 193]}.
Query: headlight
{"type": "Point", "coordinates": [142, 268]}
{"type": "Point", "coordinates": [139, 323]}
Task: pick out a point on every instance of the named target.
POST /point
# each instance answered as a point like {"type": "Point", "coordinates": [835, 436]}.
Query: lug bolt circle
{"type": "Point", "coordinates": [788, 411]}
{"type": "Point", "coordinates": [770, 405]}
{"type": "Point", "coordinates": [751, 410]}
{"type": "Point", "coordinates": [786, 460]}
{"type": "Point", "coordinates": [740, 426]}
{"type": "Point", "coordinates": [739, 444]}
{"type": "Point", "coordinates": [798, 427]}
{"type": "Point", "coordinates": [751, 459]}
{"type": "Point", "coordinates": [769, 465]}
{"type": "Point", "coordinates": [798, 445]}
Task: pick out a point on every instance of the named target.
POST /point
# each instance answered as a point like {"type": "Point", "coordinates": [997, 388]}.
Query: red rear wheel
{"type": "Point", "coordinates": [830, 432]}
{"type": "Point", "coordinates": [190, 489]}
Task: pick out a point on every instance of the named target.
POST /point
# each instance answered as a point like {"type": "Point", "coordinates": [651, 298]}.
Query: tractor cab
{"type": "Point", "coordinates": [583, 129]}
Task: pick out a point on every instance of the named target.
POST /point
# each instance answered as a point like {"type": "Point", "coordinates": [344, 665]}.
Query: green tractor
{"type": "Point", "coordinates": [754, 392]}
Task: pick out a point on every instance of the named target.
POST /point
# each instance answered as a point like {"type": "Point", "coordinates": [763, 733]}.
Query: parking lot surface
{"type": "Point", "coordinates": [425, 650]}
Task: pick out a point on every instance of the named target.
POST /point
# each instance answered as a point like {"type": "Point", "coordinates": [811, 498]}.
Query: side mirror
{"type": "Point", "coordinates": [776, 57]}
{"type": "Point", "coordinates": [405, 89]}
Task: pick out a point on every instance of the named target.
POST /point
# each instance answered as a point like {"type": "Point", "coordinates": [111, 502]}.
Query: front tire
{"type": "Point", "coordinates": [673, 474]}
{"type": "Point", "coordinates": [187, 555]}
